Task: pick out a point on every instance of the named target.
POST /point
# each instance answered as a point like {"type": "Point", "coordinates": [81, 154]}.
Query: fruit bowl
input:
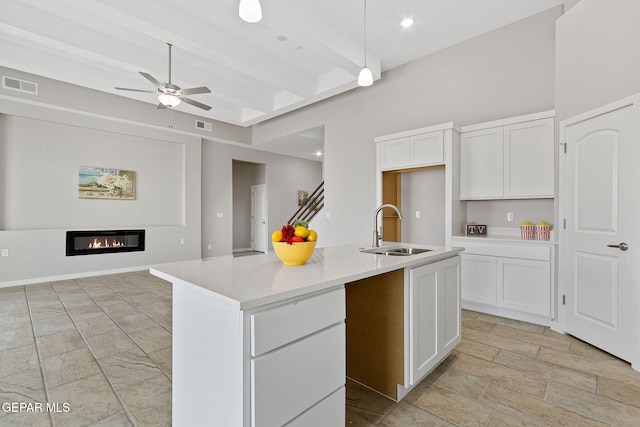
{"type": "Point", "coordinates": [296, 253]}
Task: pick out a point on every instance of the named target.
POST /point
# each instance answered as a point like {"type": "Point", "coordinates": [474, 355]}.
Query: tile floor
{"type": "Point", "coordinates": [100, 348]}
{"type": "Point", "coordinates": [510, 373]}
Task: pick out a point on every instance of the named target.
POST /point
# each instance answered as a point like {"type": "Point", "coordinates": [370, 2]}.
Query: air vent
{"type": "Point", "coordinates": [19, 85]}
{"type": "Point", "coordinates": [204, 125]}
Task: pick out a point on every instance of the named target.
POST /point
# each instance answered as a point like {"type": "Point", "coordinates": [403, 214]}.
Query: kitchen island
{"type": "Point", "coordinates": [258, 343]}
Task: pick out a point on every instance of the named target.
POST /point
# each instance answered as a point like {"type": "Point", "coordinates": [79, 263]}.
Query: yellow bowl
{"type": "Point", "coordinates": [296, 253]}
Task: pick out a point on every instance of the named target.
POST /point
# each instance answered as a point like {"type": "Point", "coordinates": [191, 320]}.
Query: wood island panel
{"type": "Point", "coordinates": [375, 332]}
{"type": "Point", "coordinates": [391, 193]}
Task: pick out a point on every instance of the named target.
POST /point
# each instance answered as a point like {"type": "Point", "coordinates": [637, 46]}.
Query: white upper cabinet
{"type": "Point", "coordinates": [481, 164]}
{"type": "Point", "coordinates": [529, 159]}
{"type": "Point", "coordinates": [508, 159]}
{"type": "Point", "coordinates": [411, 151]}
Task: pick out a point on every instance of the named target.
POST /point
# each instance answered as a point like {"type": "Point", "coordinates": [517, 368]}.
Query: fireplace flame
{"type": "Point", "coordinates": [96, 244]}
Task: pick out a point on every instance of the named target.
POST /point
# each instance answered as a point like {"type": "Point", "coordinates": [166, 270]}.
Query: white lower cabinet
{"type": "Point", "coordinates": [297, 362]}
{"type": "Point", "coordinates": [434, 315]}
{"type": "Point", "coordinates": [509, 280]}
{"type": "Point", "coordinates": [524, 285]}
{"type": "Point", "coordinates": [329, 412]}
{"type": "Point", "coordinates": [479, 283]}
{"type": "Point", "coordinates": [288, 381]}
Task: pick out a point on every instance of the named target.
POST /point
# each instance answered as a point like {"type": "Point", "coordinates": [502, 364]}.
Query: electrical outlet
{"type": "Point", "coordinates": [5, 252]}
{"type": "Point", "coordinates": [182, 241]}
{"type": "Point", "coordinates": [327, 214]}
{"type": "Point", "coordinates": [219, 215]}
{"type": "Point", "coordinates": [209, 247]}
{"type": "Point", "coordinates": [417, 214]}
{"type": "Point", "coordinates": [510, 216]}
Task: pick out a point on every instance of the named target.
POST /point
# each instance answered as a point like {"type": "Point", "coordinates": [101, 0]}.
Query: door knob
{"type": "Point", "coordinates": [622, 246]}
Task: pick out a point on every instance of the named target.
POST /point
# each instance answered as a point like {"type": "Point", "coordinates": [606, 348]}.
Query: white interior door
{"type": "Point", "coordinates": [598, 248]}
{"type": "Point", "coordinates": [259, 218]}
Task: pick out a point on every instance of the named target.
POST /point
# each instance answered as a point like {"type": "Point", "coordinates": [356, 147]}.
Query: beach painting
{"type": "Point", "coordinates": [106, 183]}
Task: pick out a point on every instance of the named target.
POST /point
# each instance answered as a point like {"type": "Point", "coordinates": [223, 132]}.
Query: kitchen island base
{"type": "Point", "coordinates": [279, 359]}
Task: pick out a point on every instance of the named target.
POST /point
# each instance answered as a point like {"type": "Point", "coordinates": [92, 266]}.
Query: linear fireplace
{"type": "Point", "coordinates": [104, 241]}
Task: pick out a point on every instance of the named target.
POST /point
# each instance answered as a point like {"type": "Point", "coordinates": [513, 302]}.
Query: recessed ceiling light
{"type": "Point", "coordinates": [407, 22]}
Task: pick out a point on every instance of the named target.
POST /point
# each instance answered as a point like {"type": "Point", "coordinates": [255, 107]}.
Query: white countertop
{"type": "Point", "coordinates": [252, 281]}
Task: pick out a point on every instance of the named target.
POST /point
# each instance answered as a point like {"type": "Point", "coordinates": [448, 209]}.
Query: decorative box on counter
{"type": "Point", "coordinates": [479, 230]}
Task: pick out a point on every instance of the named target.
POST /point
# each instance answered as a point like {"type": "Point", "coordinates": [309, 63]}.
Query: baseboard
{"type": "Point", "coordinates": [38, 280]}
{"type": "Point", "coordinates": [506, 312]}
{"type": "Point", "coordinates": [242, 250]}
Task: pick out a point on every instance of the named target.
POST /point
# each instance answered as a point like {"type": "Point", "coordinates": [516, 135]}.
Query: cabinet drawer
{"type": "Point", "coordinates": [329, 413]}
{"type": "Point", "coordinates": [283, 324]}
{"type": "Point", "coordinates": [288, 381]}
{"type": "Point", "coordinates": [534, 252]}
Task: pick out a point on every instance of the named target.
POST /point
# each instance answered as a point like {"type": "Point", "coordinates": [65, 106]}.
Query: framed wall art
{"type": "Point", "coordinates": [106, 183]}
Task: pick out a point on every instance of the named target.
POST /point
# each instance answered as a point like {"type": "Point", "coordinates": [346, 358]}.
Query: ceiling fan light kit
{"type": "Point", "coordinates": [169, 100]}
{"type": "Point", "coordinates": [250, 11]}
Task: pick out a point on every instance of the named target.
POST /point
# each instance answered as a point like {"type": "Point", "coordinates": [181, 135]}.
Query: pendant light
{"type": "Point", "coordinates": [250, 10]}
{"type": "Point", "coordinates": [365, 78]}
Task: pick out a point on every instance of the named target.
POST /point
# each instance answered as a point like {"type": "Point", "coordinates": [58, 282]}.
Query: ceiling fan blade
{"type": "Point", "coordinates": [136, 90]}
{"type": "Point", "coordinates": [196, 104]}
{"type": "Point", "coordinates": [195, 90]}
{"type": "Point", "coordinates": [152, 80]}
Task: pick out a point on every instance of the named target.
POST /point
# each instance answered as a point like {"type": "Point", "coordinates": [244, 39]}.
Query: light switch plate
{"type": "Point", "coordinates": [417, 214]}
{"type": "Point", "coordinates": [509, 216]}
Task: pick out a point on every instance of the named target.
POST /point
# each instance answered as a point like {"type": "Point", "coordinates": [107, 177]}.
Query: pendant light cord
{"type": "Point", "coordinates": [364, 26]}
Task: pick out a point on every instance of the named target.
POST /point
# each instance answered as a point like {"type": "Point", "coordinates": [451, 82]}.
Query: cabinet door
{"type": "Point", "coordinates": [481, 164]}
{"type": "Point", "coordinates": [479, 283]}
{"type": "Point", "coordinates": [288, 381]}
{"type": "Point", "coordinates": [423, 321]}
{"type": "Point", "coordinates": [524, 285]}
{"type": "Point", "coordinates": [529, 159]}
{"type": "Point", "coordinates": [449, 319]}
{"type": "Point", "coordinates": [428, 149]}
{"type": "Point", "coordinates": [395, 154]}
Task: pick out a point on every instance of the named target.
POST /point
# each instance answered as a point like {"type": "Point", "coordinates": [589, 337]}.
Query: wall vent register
{"type": "Point", "coordinates": [104, 241]}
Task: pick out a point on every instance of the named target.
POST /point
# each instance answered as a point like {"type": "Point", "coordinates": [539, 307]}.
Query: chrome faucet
{"type": "Point", "coordinates": [377, 235]}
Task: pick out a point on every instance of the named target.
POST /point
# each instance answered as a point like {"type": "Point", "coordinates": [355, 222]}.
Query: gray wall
{"type": "Point", "coordinates": [285, 175]}
{"type": "Point", "coordinates": [45, 138]}
{"type": "Point", "coordinates": [598, 55]}
{"type": "Point", "coordinates": [504, 73]}
{"type": "Point", "coordinates": [39, 197]}
{"type": "Point", "coordinates": [423, 191]}
{"type": "Point", "coordinates": [244, 175]}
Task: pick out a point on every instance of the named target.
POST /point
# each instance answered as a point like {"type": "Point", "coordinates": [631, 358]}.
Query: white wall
{"type": "Point", "coordinates": [285, 175]}
{"type": "Point", "coordinates": [504, 73]}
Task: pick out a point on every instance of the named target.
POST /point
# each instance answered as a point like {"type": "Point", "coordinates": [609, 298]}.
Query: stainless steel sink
{"type": "Point", "coordinates": [396, 251]}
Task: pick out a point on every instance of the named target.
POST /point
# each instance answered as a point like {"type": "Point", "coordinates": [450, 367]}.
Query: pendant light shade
{"type": "Point", "coordinates": [250, 10]}
{"type": "Point", "coordinates": [365, 78]}
{"type": "Point", "coordinates": [169, 100]}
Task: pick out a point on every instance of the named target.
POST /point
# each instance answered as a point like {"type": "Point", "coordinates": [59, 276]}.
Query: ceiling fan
{"type": "Point", "coordinates": [169, 94]}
